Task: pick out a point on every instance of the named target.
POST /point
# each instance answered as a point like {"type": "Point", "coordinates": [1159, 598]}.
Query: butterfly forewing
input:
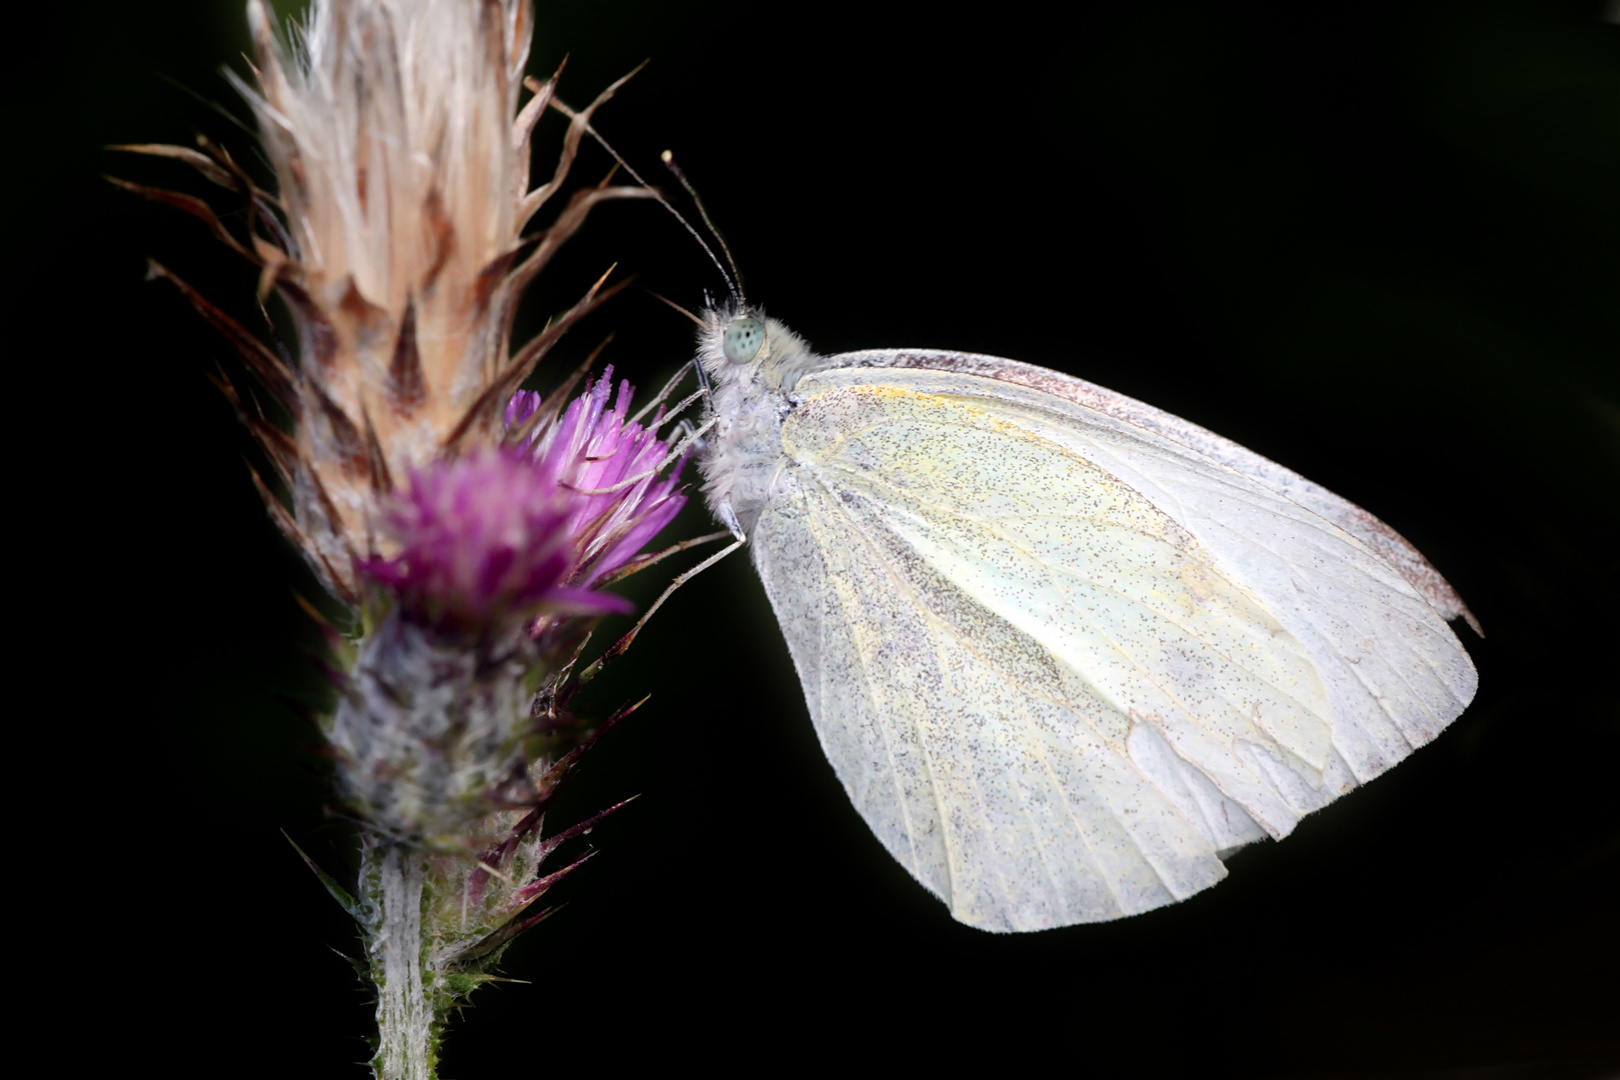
{"type": "Point", "coordinates": [1104, 404]}
{"type": "Point", "coordinates": [1395, 672]}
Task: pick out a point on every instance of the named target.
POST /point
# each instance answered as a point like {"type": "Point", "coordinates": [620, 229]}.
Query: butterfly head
{"type": "Point", "coordinates": [738, 343]}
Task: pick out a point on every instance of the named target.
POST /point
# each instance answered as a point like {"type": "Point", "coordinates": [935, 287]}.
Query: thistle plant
{"type": "Point", "coordinates": [466, 526]}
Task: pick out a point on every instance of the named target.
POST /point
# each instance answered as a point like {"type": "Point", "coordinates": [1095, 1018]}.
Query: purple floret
{"type": "Point", "coordinates": [590, 448]}
{"type": "Point", "coordinates": [501, 536]}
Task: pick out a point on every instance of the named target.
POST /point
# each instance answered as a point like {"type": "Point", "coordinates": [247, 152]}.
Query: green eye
{"type": "Point", "coordinates": [742, 339]}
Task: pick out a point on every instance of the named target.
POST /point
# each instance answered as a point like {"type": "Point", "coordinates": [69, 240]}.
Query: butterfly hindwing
{"type": "Point", "coordinates": [991, 795]}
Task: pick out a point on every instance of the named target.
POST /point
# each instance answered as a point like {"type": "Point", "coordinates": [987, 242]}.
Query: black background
{"type": "Point", "coordinates": [1373, 242]}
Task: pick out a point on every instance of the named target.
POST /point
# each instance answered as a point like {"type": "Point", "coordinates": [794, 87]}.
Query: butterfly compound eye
{"type": "Point", "coordinates": [743, 337]}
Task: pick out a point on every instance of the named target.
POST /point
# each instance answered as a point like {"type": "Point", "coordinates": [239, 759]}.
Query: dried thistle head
{"type": "Point", "coordinates": [398, 244]}
{"type": "Point", "coordinates": [466, 523]}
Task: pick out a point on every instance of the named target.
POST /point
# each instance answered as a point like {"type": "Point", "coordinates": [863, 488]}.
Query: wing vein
{"type": "Point", "coordinates": [879, 723]}
{"type": "Point", "coordinates": [989, 525]}
{"type": "Point", "coordinates": [947, 831]}
{"type": "Point", "coordinates": [944, 627]}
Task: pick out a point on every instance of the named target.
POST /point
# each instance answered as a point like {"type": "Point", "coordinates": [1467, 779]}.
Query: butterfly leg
{"type": "Point", "coordinates": [663, 395]}
{"type": "Point", "coordinates": [641, 562]}
{"type": "Point", "coordinates": [728, 518]}
{"type": "Point", "coordinates": [687, 428]}
{"type": "Point", "coordinates": [631, 481]}
{"type": "Point", "coordinates": [618, 647]}
{"type": "Point", "coordinates": [678, 409]}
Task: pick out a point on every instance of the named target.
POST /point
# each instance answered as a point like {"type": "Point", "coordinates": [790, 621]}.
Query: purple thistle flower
{"type": "Point", "coordinates": [489, 540]}
{"type": "Point", "coordinates": [493, 554]}
{"type": "Point", "coordinates": [590, 448]}
{"type": "Point", "coordinates": [483, 541]}
{"type": "Point", "coordinates": [468, 556]}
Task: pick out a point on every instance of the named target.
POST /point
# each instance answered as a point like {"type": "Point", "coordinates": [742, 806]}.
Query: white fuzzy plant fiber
{"type": "Point", "coordinates": [402, 166]}
{"type": "Point", "coordinates": [386, 112]}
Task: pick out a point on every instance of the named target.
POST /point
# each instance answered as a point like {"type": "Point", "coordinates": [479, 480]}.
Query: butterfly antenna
{"type": "Point", "coordinates": [668, 158]}
{"type": "Point", "coordinates": [731, 283]}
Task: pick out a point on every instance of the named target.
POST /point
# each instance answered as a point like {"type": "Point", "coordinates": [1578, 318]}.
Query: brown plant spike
{"type": "Point", "coordinates": [397, 245]}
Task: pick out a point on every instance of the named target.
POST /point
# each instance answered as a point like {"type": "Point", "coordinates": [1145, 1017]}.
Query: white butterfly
{"type": "Point", "coordinates": [1064, 651]}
